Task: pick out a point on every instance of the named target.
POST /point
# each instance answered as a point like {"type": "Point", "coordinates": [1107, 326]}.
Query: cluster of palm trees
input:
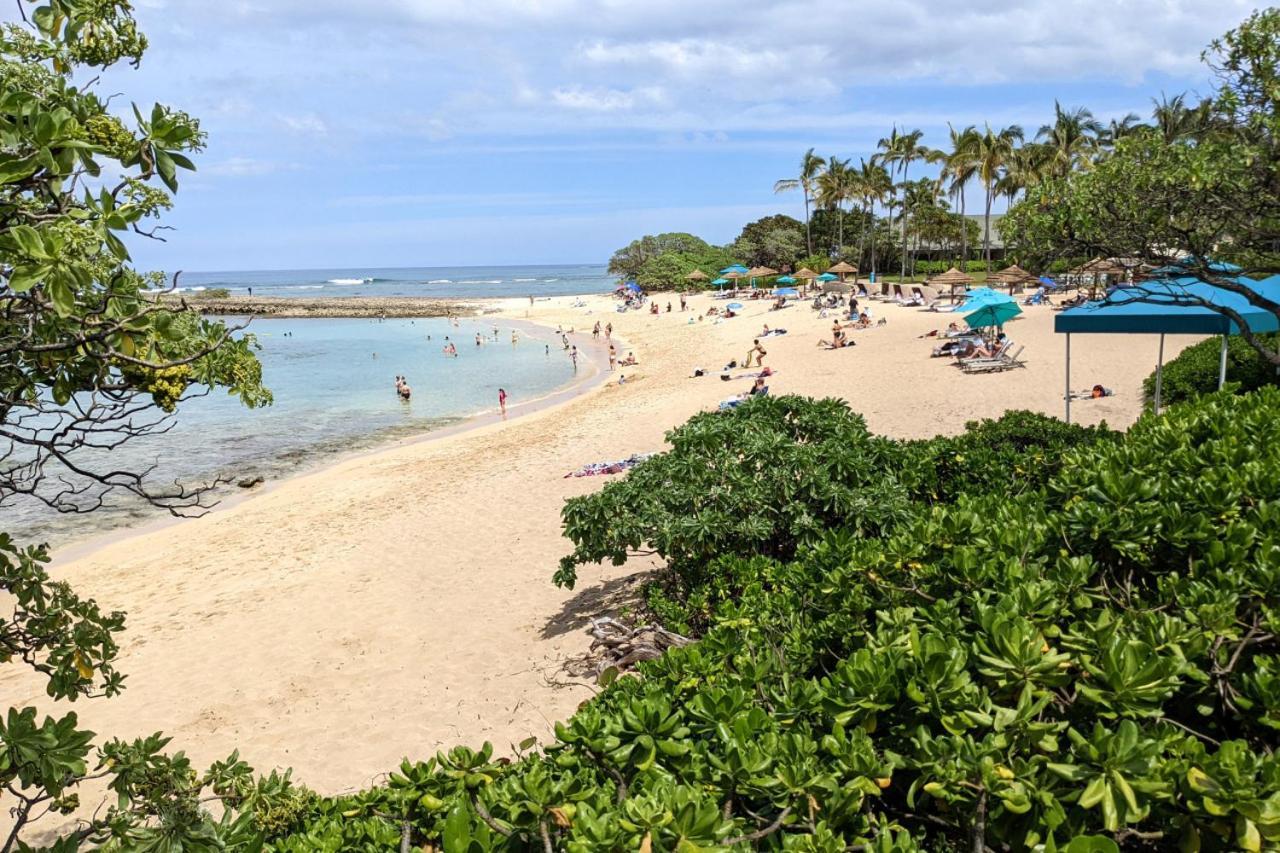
{"type": "Point", "coordinates": [1003, 162]}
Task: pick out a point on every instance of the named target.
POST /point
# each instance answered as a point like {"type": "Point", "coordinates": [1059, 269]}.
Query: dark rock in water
{"type": "Point", "coordinates": [250, 482]}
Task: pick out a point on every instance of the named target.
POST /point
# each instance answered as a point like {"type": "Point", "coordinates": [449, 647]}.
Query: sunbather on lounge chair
{"type": "Point", "coordinates": [1002, 344]}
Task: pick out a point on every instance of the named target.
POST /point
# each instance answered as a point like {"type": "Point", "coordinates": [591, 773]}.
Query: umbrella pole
{"type": "Point", "coordinates": [1067, 397]}
{"type": "Point", "coordinates": [1222, 365]}
{"type": "Point", "coordinates": [1159, 372]}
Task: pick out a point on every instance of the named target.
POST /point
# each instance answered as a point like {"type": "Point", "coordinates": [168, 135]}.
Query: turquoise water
{"type": "Point", "coordinates": [442, 282]}
{"type": "Point", "coordinates": [333, 382]}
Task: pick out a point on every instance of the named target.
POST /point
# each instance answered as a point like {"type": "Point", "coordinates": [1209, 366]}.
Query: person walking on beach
{"type": "Point", "coordinates": [502, 401]}
{"type": "Point", "coordinates": [608, 332]}
{"type": "Point", "coordinates": [613, 356]}
{"type": "Point", "coordinates": [595, 332]}
{"type": "Point", "coordinates": [684, 302]}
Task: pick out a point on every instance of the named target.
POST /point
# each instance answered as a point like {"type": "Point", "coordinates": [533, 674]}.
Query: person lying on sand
{"type": "Point", "coordinates": [758, 389]}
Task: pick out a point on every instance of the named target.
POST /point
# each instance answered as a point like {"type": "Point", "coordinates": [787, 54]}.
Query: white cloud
{"type": "Point", "coordinates": [598, 99]}
{"type": "Point", "coordinates": [309, 123]}
{"type": "Point", "coordinates": [241, 167]}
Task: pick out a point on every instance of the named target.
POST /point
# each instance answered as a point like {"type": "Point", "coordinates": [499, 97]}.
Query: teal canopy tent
{"type": "Point", "coordinates": [826, 276]}
{"type": "Point", "coordinates": [1181, 305]}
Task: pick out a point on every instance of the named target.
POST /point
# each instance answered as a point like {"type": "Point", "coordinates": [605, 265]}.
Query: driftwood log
{"type": "Point", "coordinates": [617, 647]}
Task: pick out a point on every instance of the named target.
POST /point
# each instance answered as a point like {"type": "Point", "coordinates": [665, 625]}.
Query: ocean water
{"type": "Point", "coordinates": [443, 282]}
{"type": "Point", "coordinates": [334, 386]}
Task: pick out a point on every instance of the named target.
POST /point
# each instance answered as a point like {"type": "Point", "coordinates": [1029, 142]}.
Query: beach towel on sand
{"type": "Point", "coordinates": [596, 469]}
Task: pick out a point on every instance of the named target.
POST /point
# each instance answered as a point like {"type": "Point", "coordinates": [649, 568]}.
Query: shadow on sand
{"type": "Point", "coordinates": [604, 599]}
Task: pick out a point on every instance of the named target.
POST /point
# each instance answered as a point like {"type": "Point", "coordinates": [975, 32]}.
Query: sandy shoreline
{"type": "Point", "coordinates": [400, 602]}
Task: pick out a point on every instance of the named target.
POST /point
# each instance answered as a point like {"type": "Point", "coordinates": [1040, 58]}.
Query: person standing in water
{"type": "Point", "coordinates": [502, 401]}
{"type": "Point", "coordinates": [613, 356]}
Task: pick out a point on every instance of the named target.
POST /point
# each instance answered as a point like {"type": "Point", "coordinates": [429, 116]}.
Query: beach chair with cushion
{"type": "Point", "coordinates": [995, 364]}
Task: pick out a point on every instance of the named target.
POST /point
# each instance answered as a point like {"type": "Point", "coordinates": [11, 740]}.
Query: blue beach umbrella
{"type": "Point", "coordinates": [734, 306]}
{"type": "Point", "coordinates": [720, 282]}
{"type": "Point", "coordinates": [786, 279]}
{"type": "Point", "coordinates": [738, 268]}
{"type": "Point", "coordinates": [826, 276]}
{"type": "Point", "coordinates": [786, 291]}
{"type": "Point", "coordinates": [992, 314]}
{"type": "Point", "coordinates": [633, 287]}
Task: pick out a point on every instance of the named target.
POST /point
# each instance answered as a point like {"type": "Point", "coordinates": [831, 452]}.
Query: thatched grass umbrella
{"type": "Point", "coordinates": [697, 275]}
{"type": "Point", "coordinates": [1099, 268]}
{"type": "Point", "coordinates": [1014, 276]}
{"type": "Point", "coordinates": [760, 272]}
{"type": "Point", "coordinates": [952, 280]}
{"type": "Point", "coordinates": [841, 269]}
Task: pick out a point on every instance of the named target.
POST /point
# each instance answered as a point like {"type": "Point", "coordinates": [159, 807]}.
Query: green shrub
{"type": "Point", "coordinates": [1195, 371]}
{"type": "Point", "coordinates": [1088, 666]}
{"type": "Point", "coordinates": [762, 479]}
{"type": "Point", "coordinates": [1018, 452]}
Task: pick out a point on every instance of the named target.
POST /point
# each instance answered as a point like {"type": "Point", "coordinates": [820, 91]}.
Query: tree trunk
{"type": "Point", "coordinates": [964, 235]}
{"type": "Point", "coordinates": [986, 231]}
{"type": "Point", "coordinates": [862, 234]}
{"type": "Point", "coordinates": [905, 164]}
{"type": "Point", "coordinates": [808, 237]}
{"type": "Point", "coordinates": [872, 226]}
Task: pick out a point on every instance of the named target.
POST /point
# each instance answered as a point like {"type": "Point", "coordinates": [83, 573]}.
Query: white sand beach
{"type": "Point", "coordinates": [401, 601]}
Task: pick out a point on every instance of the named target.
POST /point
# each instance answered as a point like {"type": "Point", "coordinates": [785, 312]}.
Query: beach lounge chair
{"type": "Point", "coordinates": [995, 364]}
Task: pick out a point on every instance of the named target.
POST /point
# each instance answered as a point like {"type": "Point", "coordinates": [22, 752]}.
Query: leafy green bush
{"type": "Point", "coordinates": [1016, 453]}
{"type": "Point", "coordinates": [1195, 371]}
{"type": "Point", "coordinates": [762, 479]}
{"type": "Point", "coordinates": [938, 267]}
{"type": "Point", "coordinates": [1088, 666]}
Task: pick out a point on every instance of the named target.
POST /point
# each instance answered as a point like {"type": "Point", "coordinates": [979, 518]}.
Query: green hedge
{"type": "Point", "coordinates": [1089, 665]}
{"type": "Point", "coordinates": [1195, 371]}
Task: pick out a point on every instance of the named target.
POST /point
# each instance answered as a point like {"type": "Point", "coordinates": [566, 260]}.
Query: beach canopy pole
{"type": "Point", "coordinates": [1222, 365]}
{"type": "Point", "coordinates": [1067, 396]}
{"type": "Point", "coordinates": [1159, 372]}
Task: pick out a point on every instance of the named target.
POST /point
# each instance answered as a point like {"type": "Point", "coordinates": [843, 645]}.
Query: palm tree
{"type": "Point", "coordinates": [810, 167]}
{"type": "Point", "coordinates": [1175, 120]}
{"type": "Point", "coordinates": [874, 184]}
{"type": "Point", "coordinates": [1071, 139]}
{"type": "Point", "coordinates": [901, 149]}
{"type": "Point", "coordinates": [1118, 129]}
{"type": "Point", "coordinates": [995, 150]}
{"type": "Point", "coordinates": [959, 166]}
{"type": "Point", "coordinates": [833, 192]}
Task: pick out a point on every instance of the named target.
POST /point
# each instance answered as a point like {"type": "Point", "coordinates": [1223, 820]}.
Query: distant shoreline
{"type": "Point", "coordinates": [328, 306]}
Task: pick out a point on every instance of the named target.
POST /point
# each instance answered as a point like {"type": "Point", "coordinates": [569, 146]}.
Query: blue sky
{"type": "Point", "coordinates": [443, 132]}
